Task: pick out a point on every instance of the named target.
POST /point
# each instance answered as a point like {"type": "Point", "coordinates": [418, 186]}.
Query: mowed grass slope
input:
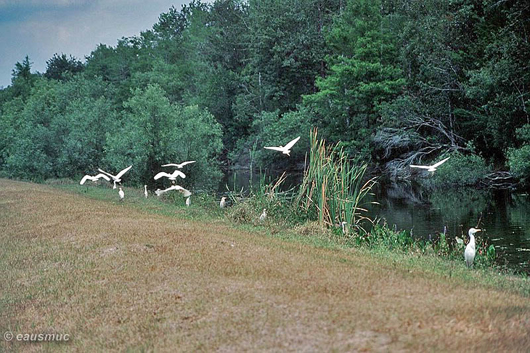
{"type": "Point", "coordinates": [115, 277]}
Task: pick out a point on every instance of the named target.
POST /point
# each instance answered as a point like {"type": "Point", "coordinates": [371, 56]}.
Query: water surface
{"type": "Point", "coordinates": [503, 216]}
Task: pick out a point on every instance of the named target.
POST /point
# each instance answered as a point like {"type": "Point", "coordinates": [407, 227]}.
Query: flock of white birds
{"type": "Point", "coordinates": [469, 253]}
{"type": "Point", "coordinates": [116, 179]}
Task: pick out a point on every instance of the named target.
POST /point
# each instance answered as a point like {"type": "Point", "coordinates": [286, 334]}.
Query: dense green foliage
{"type": "Point", "coordinates": [394, 81]}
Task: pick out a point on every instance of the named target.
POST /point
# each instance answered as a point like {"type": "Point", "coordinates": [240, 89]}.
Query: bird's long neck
{"type": "Point", "coordinates": [472, 240]}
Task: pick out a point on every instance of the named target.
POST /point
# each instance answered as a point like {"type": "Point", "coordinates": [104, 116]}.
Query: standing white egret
{"type": "Point", "coordinates": [173, 176]}
{"type": "Point", "coordinates": [469, 253]}
{"type": "Point", "coordinates": [121, 193]}
{"type": "Point", "coordinates": [263, 215]}
{"type": "Point", "coordinates": [179, 166]}
{"type": "Point", "coordinates": [116, 178]}
{"type": "Point", "coordinates": [343, 226]}
{"type": "Point", "coordinates": [222, 203]}
{"type": "Point", "coordinates": [145, 191]}
{"type": "Point", "coordinates": [285, 149]}
{"type": "Point", "coordinates": [94, 178]}
{"type": "Point", "coordinates": [188, 201]}
{"type": "Point", "coordinates": [185, 192]}
{"type": "Point", "coordinates": [430, 168]}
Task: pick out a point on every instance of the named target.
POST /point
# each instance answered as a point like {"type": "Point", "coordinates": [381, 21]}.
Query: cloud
{"type": "Point", "coordinates": [41, 28]}
{"type": "Point", "coordinates": [39, 3]}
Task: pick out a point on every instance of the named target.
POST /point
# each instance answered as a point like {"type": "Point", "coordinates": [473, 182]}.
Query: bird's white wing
{"type": "Point", "coordinates": [162, 174]}
{"type": "Point", "coordinates": [420, 166]}
{"type": "Point", "coordinates": [275, 148]}
{"type": "Point", "coordinates": [177, 165]}
{"type": "Point", "coordinates": [440, 163]}
{"type": "Point", "coordinates": [185, 192]}
{"type": "Point", "coordinates": [102, 171]}
{"type": "Point", "coordinates": [123, 172]}
{"type": "Point", "coordinates": [85, 179]}
{"type": "Point", "coordinates": [101, 175]}
{"type": "Point", "coordinates": [184, 163]}
{"type": "Point", "coordinates": [160, 192]}
{"type": "Point", "coordinates": [178, 173]}
{"type": "Point", "coordinates": [291, 144]}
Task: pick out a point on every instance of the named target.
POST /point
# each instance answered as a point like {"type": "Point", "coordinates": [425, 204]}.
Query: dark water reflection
{"type": "Point", "coordinates": [504, 216]}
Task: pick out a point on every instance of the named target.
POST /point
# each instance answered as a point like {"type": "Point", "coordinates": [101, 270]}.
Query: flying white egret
{"type": "Point", "coordinates": [430, 168]}
{"type": "Point", "coordinates": [145, 191]}
{"type": "Point", "coordinates": [173, 176]}
{"type": "Point", "coordinates": [285, 149]}
{"type": "Point", "coordinates": [94, 178]}
{"type": "Point", "coordinates": [121, 193]}
{"type": "Point", "coordinates": [263, 215]}
{"type": "Point", "coordinates": [179, 166]}
{"type": "Point", "coordinates": [222, 203]}
{"type": "Point", "coordinates": [469, 253]}
{"type": "Point", "coordinates": [116, 178]}
{"type": "Point", "coordinates": [185, 192]}
{"type": "Point", "coordinates": [188, 201]}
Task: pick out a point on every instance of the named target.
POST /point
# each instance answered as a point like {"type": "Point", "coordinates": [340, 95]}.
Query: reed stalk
{"type": "Point", "coordinates": [333, 187]}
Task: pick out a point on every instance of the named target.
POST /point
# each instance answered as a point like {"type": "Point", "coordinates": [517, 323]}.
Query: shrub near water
{"type": "Point", "coordinates": [519, 158]}
{"type": "Point", "coordinates": [461, 170]}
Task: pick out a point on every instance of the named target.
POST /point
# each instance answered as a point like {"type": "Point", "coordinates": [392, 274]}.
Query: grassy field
{"type": "Point", "coordinates": [141, 276]}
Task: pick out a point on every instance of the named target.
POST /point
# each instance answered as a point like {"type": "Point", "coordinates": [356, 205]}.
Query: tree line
{"type": "Point", "coordinates": [394, 81]}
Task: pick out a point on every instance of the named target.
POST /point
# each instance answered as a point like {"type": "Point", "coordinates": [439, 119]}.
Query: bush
{"type": "Point", "coordinates": [461, 170]}
{"type": "Point", "coordinates": [155, 131]}
{"type": "Point", "coordinates": [519, 158]}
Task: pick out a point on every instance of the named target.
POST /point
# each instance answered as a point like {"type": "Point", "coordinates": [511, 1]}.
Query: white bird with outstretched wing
{"type": "Point", "coordinates": [185, 192]}
{"type": "Point", "coordinates": [173, 176]}
{"type": "Point", "coordinates": [179, 166]}
{"type": "Point", "coordinates": [285, 149]}
{"type": "Point", "coordinates": [116, 178]}
{"type": "Point", "coordinates": [430, 168]}
{"type": "Point", "coordinates": [94, 178]}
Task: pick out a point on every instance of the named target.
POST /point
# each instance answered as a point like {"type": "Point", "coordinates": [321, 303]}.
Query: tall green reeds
{"type": "Point", "coordinates": [333, 188]}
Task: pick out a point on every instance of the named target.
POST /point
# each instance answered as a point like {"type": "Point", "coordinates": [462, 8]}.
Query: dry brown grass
{"type": "Point", "coordinates": [117, 278]}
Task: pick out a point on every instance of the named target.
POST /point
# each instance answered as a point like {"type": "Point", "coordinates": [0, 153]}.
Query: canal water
{"type": "Point", "coordinates": [503, 216]}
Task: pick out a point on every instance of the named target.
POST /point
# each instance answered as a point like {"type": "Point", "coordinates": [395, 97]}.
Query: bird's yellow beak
{"type": "Point", "coordinates": [478, 230]}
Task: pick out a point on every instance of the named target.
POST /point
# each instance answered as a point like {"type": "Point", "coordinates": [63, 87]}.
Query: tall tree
{"type": "Point", "coordinates": [61, 67]}
{"type": "Point", "coordinates": [363, 73]}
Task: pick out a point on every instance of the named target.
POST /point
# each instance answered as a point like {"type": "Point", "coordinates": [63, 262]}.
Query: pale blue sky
{"type": "Point", "coordinates": [41, 28]}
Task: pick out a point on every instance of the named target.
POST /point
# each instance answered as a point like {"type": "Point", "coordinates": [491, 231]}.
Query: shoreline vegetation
{"type": "Point", "coordinates": [330, 203]}
{"type": "Point", "coordinates": [151, 273]}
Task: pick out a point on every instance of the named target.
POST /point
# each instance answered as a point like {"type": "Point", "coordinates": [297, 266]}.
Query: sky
{"type": "Point", "coordinates": [41, 28]}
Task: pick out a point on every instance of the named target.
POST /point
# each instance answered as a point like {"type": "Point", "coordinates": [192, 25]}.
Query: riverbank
{"type": "Point", "coordinates": [146, 275]}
